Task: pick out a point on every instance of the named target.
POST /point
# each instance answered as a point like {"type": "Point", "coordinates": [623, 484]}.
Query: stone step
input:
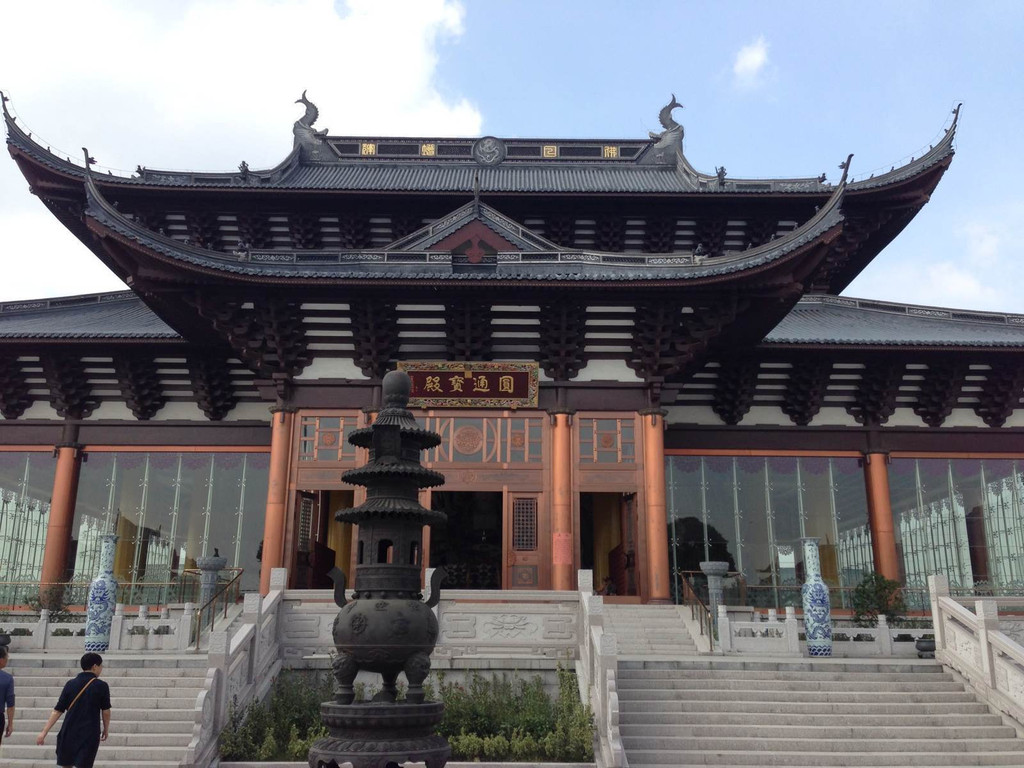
{"type": "Point", "coordinates": [764, 745]}
{"type": "Point", "coordinates": [839, 686]}
{"type": "Point", "coordinates": [736, 674]}
{"type": "Point", "coordinates": [770, 729]}
{"type": "Point", "coordinates": [173, 722]}
{"type": "Point", "coordinates": [903, 666]}
{"type": "Point", "coordinates": [24, 682]}
{"type": "Point", "coordinates": [788, 759]}
{"type": "Point", "coordinates": [134, 754]}
{"type": "Point", "coordinates": [27, 737]}
{"type": "Point", "coordinates": [704, 718]}
{"type": "Point", "coordinates": [818, 696]}
{"type": "Point", "coordinates": [111, 661]}
{"type": "Point", "coordinates": [126, 703]}
{"type": "Point", "coordinates": [806, 708]}
{"type": "Point", "coordinates": [101, 762]}
{"type": "Point", "coordinates": [195, 675]}
{"type": "Point", "coordinates": [118, 689]}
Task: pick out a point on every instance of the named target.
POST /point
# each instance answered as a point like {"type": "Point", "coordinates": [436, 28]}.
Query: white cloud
{"type": "Point", "coordinates": [205, 84]}
{"type": "Point", "coordinates": [750, 65]}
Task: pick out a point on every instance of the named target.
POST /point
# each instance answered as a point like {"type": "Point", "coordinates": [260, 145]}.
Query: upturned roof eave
{"type": "Point", "coordinates": [23, 142]}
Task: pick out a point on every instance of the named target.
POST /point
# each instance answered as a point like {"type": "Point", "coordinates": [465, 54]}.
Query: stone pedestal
{"type": "Point", "coordinates": [715, 570]}
{"type": "Point", "coordinates": [210, 568]}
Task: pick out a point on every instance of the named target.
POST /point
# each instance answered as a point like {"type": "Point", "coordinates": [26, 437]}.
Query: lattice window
{"type": "Point", "coordinates": [325, 438]}
{"type": "Point", "coordinates": [487, 440]}
{"type": "Point", "coordinates": [607, 441]}
{"type": "Point", "coordinates": [524, 525]}
{"type": "Point", "coordinates": [305, 523]}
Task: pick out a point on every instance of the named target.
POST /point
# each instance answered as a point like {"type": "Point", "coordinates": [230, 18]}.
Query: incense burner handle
{"type": "Point", "coordinates": [338, 577]}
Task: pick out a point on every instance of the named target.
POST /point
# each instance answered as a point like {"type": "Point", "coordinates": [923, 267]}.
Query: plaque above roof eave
{"type": "Point", "coordinates": [391, 266]}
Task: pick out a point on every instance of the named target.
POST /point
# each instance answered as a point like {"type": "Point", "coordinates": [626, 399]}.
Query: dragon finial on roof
{"type": "Point", "coordinates": [669, 139]}
{"type": "Point", "coordinates": [306, 137]}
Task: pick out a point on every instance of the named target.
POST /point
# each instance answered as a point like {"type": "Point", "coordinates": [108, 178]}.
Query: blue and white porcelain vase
{"type": "Point", "coordinates": [817, 606]}
{"type": "Point", "coordinates": [102, 599]}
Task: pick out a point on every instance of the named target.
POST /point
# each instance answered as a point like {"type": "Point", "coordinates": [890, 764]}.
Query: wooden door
{"type": "Point", "coordinates": [629, 544]}
{"type": "Point", "coordinates": [523, 561]}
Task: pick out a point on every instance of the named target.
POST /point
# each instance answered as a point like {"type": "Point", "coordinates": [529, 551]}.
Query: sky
{"type": "Point", "coordinates": [770, 89]}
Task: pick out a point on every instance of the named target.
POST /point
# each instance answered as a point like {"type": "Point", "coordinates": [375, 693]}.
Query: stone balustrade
{"type": "Point", "coordinates": [975, 645]}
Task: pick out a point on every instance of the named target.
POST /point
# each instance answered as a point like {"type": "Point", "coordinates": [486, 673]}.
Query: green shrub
{"type": "Point", "coordinates": [287, 723]}
{"type": "Point", "coordinates": [504, 718]}
{"type": "Point", "coordinates": [877, 596]}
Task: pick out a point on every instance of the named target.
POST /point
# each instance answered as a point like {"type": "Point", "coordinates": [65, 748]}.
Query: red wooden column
{"type": "Point", "coordinates": [883, 535]}
{"type": "Point", "coordinates": [561, 504]}
{"type": "Point", "coordinates": [658, 575]}
{"type": "Point", "coordinates": [277, 494]}
{"type": "Point", "coordinates": [62, 507]}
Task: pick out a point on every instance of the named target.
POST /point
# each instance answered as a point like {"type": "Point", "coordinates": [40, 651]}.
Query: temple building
{"type": "Point", "coordinates": [634, 367]}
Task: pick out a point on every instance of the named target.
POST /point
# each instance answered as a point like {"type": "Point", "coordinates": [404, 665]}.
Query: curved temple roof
{"type": "Point", "coordinates": [533, 264]}
{"type": "Point", "coordinates": [444, 165]}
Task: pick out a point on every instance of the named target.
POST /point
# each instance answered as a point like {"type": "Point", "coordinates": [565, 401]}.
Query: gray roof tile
{"type": "Point", "coordinates": [843, 321]}
{"type": "Point", "coordinates": [108, 315]}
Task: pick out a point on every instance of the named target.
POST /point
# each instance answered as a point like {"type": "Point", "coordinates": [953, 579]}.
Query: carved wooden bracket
{"type": "Point", "coordinates": [140, 385]}
{"type": "Point", "coordinates": [269, 337]}
{"type": "Point", "coordinates": [875, 400]}
{"type": "Point", "coordinates": [14, 396]}
{"type": "Point", "coordinates": [939, 391]}
{"type": "Point", "coordinates": [805, 390]}
{"type": "Point", "coordinates": [666, 339]}
{"type": "Point", "coordinates": [563, 329]}
{"type": "Point", "coordinates": [734, 389]}
{"type": "Point", "coordinates": [70, 391]}
{"type": "Point", "coordinates": [374, 336]}
{"type": "Point", "coordinates": [468, 329]}
{"type": "Point", "coordinates": [211, 384]}
{"type": "Point", "coordinates": [1001, 394]}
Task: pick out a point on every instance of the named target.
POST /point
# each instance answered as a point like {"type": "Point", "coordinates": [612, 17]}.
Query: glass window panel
{"type": "Point", "coordinates": [752, 511]}
{"type": "Point", "coordinates": [168, 509]}
{"type": "Point", "coordinates": [26, 483]}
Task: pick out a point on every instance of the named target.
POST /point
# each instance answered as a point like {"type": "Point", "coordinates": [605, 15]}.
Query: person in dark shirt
{"type": "Point", "coordinates": [6, 696]}
{"type": "Point", "coordinates": [84, 702]}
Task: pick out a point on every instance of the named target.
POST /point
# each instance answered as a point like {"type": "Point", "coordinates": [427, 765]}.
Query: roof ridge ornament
{"type": "Point", "coordinates": [669, 139]}
{"type": "Point", "coordinates": [308, 140]}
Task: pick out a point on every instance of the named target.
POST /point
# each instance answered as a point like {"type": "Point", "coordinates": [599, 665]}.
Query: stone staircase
{"type": "Point", "coordinates": [152, 698]}
{"type": "Point", "coordinates": [648, 630]}
{"type": "Point", "coordinates": [832, 712]}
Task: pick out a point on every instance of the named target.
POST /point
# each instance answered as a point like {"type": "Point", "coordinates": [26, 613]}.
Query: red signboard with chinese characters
{"type": "Point", "coordinates": [472, 385]}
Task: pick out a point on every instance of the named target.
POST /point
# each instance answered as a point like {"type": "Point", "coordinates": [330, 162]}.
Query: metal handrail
{"type": "Point", "coordinates": [699, 611]}
{"type": "Point", "coordinates": [206, 616]}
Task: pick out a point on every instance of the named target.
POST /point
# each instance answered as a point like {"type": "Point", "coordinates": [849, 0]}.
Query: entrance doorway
{"type": "Point", "coordinates": [607, 540]}
{"type": "Point", "coordinates": [469, 547]}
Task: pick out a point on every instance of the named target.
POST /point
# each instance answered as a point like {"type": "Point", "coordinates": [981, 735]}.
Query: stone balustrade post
{"type": "Point", "coordinates": [715, 570]}
{"type": "Point", "coordinates": [938, 586]}
{"type": "Point", "coordinates": [987, 612]}
{"type": "Point", "coordinates": [773, 615]}
{"type": "Point", "coordinates": [792, 631]}
{"type": "Point", "coordinates": [188, 618]}
{"type": "Point", "coordinates": [117, 628]}
{"type": "Point", "coordinates": [724, 630]}
{"type": "Point", "coordinates": [585, 580]}
{"type": "Point", "coordinates": [278, 579]}
{"type": "Point", "coordinates": [884, 636]}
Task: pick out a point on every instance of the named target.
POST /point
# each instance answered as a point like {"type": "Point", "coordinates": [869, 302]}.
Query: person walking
{"type": "Point", "coordinates": [84, 702]}
{"type": "Point", "coordinates": [6, 696]}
